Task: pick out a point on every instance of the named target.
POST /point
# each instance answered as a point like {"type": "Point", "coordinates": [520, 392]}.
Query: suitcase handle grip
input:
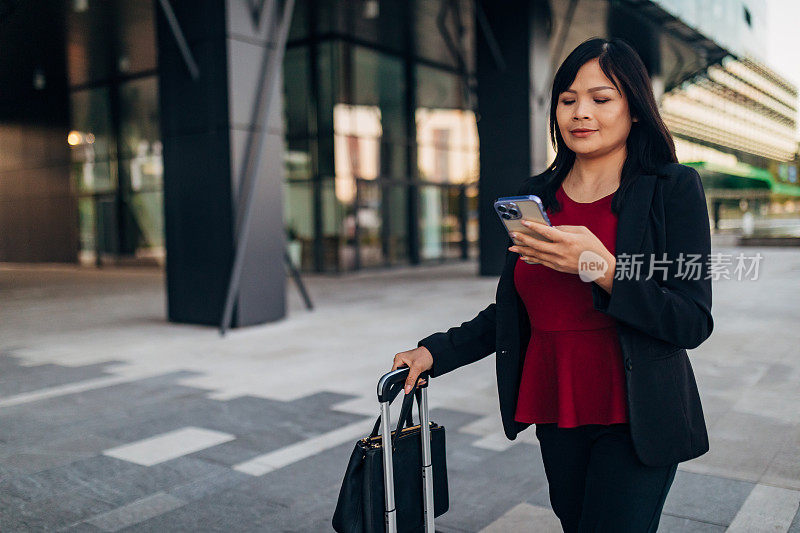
{"type": "Point", "coordinates": [392, 382]}
{"type": "Point", "coordinates": [387, 385]}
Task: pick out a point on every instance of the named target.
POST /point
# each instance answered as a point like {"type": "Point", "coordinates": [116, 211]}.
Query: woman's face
{"type": "Point", "coordinates": [592, 103]}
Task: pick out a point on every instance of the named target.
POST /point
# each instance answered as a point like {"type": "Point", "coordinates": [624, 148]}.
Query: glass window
{"type": "Point", "coordinates": [444, 32]}
{"type": "Point", "coordinates": [441, 235]}
{"type": "Point", "coordinates": [472, 220]}
{"type": "Point", "coordinates": [447, 134]}
{"type": "Point", "coordinates": [329, 67]}
{"type": "Point", "coordinates": [89, 43]}
{"type": "Point", "coordinates": [377, 80]}
{"type": "Point", "coordinates": [395, 217]}
{"type": "Point", "coordinates": [92, 141]}
{"type": "Point", "coordinates": [337, 246]}
{"type": "Point", "coordinates": [87, 222]}
{"type": "Point", "coordinates": [136, 36]}
{"type": "Point", "coordinates": [374, 21]}
{"type": "Point", "coordinates": [367, 215]}
{"type": "Point", "coordinates": [139, 117]}
{"type": "Point", "coordinates": [369, 118]}
{"type": "Point", "coordinates": [297, 93]}
{"type": "Point", "coordinates": [439, 89]}
{"type": "Point", "coordinates": [299, 222]}
{"type": "Point", "coordinates": [106, 38]}
{"type": "Point", "coordinates": [298, 158]}
{"type": "Point", "coordinates": [299, 28]}
{"type": "Point", "coordinates": [146, 208]}
{"type": "Point", "coordinates": [452, 214]}
{"type": "Point", "coordinates": [430, 222]}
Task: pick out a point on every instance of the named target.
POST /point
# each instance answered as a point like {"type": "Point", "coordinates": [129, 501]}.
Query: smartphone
{"type": "Point", "coordinates": [513, 209]}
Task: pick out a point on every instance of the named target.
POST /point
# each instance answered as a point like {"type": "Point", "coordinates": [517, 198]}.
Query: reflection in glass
{"type": "Point", "coordinates": [352, 136]}
{"type": "Point", "coordinates": [297, 100]}
{"type": "Point", "coordinates": [333, 214]}
{"type": "Point", "coordinates": [89, 43]}
{"type": "Point", "coordinates": [375, 21]}
{"type": "Point", "coordinates": [146, 208]}
{"type": "Point", "coordinates": [356, 145]}
{"type": "Point", "coordinates": [439, 89]}
{"type": "Point", "coordinates": [91, 141]}
{"type": "Point", "coordinates": [298, 160]}
{"type": "Point", "coordinates": [299, 222]}
{"type": "Point", "coordinates": [136, 36]}
{"type": "Point", "coordinates": [452, 236]}
{"type": "Point", "coordinates": [448, 145]}
{"type": "Point", "coordinates": [445, 32]}
{"type": "Point", "coordinates": [108, 38]}
{"type": "Point", "coordinates": [139, 117]}
{"type": "Point", "coordinates": [441, 233]}
{"type": "Point", "coordinates": [368, 217]}
{"type": "Point", "coordinates": [86, 224]}
{"type": "Point", "coordinates": [395, 202]}
{"type": "Point", "coordinates": [430, 222]}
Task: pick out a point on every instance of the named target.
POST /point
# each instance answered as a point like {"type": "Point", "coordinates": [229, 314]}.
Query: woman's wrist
{"type": "Point", "coordinates": [606, 281]}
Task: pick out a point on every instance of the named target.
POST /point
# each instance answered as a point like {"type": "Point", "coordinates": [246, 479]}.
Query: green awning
{"type": "Point", "coordinates": [741, 176]}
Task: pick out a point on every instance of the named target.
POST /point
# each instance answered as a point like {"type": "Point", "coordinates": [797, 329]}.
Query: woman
{"type": "Point", "coordinates": [597, 360]}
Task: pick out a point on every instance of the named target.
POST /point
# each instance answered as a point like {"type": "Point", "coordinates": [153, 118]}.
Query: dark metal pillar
{"type": "Point", "coordinates": [507, 117]}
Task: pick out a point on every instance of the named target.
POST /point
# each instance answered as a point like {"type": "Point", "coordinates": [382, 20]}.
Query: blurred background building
{"type": "Point", "coordinates": [394, 118]}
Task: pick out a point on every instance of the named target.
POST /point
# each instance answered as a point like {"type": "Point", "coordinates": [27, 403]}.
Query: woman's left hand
{"type": "Point", "coordinates": [569, 242]}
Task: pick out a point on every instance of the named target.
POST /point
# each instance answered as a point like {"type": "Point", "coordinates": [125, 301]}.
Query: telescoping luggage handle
{"type": "Point", "coordinates": [389, 386]}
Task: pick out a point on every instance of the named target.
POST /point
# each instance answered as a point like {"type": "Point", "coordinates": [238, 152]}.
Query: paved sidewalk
{"type": "Point", "coordinates": [112, 419]}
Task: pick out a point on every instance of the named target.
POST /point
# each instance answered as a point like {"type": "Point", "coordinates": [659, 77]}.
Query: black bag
{"type": "Point", "coordinates": [361, 505]}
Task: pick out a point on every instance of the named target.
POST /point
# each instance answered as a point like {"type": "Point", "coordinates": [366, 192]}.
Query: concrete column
{"type": "Point", "coordinates": [205, 124]}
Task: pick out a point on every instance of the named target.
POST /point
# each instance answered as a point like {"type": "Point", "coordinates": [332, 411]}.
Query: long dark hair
{"type": "Point", "coordinates": [649, 143]}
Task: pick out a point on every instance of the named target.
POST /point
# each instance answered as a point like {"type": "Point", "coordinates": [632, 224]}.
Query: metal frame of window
{"type": "Point", "coordinates": [412, 181]}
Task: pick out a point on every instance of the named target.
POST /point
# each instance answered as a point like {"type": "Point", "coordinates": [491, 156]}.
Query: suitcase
{"type": "Point", "coordinates": [386, 384]}
{"type": "Point", "coordinates": [368, 501]}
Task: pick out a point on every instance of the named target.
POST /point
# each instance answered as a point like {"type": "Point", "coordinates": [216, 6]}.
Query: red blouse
{"type": "Point", "coordinates": [573, 372]}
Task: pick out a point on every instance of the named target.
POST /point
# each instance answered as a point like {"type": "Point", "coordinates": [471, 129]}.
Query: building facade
{"type": "Point", "coordinates": [129, 129]}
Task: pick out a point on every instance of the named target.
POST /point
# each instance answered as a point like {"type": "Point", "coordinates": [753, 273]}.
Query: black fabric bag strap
{"type": "Point", "coordinates": [405, 412]}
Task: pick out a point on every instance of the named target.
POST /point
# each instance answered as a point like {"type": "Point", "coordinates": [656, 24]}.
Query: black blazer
{"type": "Point", "coordinates": [657, 320]}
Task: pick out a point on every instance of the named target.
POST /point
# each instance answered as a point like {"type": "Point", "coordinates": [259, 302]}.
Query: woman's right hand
{"type": "Point", "coordinates": [418, 360]}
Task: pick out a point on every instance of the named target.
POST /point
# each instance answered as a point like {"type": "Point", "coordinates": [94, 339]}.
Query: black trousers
{"type": "Point", "coordinates": [596, 481]}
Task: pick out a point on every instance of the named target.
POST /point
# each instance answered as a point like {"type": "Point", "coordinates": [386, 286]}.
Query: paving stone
{"type": "Point", "coordinates": [135, 512]}
{"type": "Point", "coordinates": [229, 453]}
{"type": "Point", "coordinates": [526, 517]}
{"type": "Point", "coordinates": [742, 446]}
{"type": "Point", "coordinates": [17, 379]}
{"type": "Point", "coordinates": [795, 527]}
{"type": "Point", "coordinates": [52, 513]}
{"type": "Point", "coordinates": [675, 524]}
{"type": "Point", "coordinates": [767, 508]}
{"type": "Point", "coordinates": [209, 484]}
{"type": "Point", "coordinates": [229, 510]}
{"type": "Point", "coordinates": [706, 498]}
{"type": "Point", "coordinates": [82, 527]}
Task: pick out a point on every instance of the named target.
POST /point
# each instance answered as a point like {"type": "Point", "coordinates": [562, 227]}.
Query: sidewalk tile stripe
{"type": "Point", "coordinates": [70, 388]}
{"type": "Point", "coordinates": [268, 462]}
{"type": "Point", "coordinates": [767, 508]}
{"type": "Point", "coordinates": [135, 512]}
{"type": "Point", "coordinates": [168, 445]}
